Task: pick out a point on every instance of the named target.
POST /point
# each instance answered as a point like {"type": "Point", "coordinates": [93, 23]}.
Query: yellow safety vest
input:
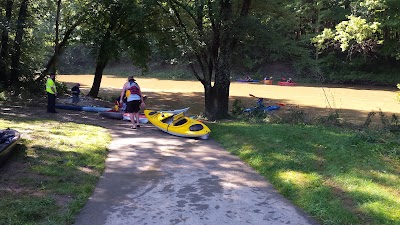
{"type": "Point", "coordinates": [49, 84]}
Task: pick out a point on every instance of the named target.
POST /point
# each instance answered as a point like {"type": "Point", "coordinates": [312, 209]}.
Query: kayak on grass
{"type": "Point", "coordinates": [178, 124]}
{"type": "Point", "coordinates": [8, 140]}
{"type": "Point", "coordinates": [142, 118]}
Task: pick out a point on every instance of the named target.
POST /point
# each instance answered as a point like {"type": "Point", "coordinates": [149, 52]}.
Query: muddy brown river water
{"type": "Point", "coordinates": [353, 103]}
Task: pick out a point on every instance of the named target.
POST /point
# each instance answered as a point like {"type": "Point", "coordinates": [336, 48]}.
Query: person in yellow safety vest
{"type": "Point", "coordinates": [51, 94]}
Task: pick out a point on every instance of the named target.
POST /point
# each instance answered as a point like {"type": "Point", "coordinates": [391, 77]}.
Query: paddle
{"type": "Point", "coordinates": [281, 104]}
{"type": "Point", "coordinates": [253, 96]}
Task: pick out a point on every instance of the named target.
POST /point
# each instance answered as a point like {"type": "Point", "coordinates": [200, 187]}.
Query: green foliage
{"type": "Point", "coordinates": [78, 58]}
{"type": "Point", "coordinates": [324, 40]}
{"type": "Point", "coordinates": [237, 107]}
{"type": "Point", "coordinates": [354, 35]}
{"type": "Point", "coordinates": [120, 27]}
{"type": "Point", "coordinates": [353, 41]}
{"type": "Point", "coordinates": [391, 124]}
{"type": "Point", "coordinates": [62, 88]}
{"type": "Point", "coordinates": [296, 115]}
{"type": "Point", "coordinates": [265, 40]}
{"type": "Point", "coordinates": [3, 96]}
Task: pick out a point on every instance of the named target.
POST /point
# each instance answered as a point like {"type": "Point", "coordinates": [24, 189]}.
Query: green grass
{"type": "Point", "coordinates": [53, 173]}
{"type": "Point", "coordinates": [338, 176]}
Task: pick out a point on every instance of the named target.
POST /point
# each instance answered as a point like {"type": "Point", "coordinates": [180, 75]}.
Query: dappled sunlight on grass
{"type": "Point", "coordinates": [299, 179]}
{"type": "Point", "coordinates": [385, 178]}
{"type": "Point", "coordinates": [56, 159]}
{"type": "Point", "coordinates": [382, 210]}
{"type": "Point", "coordinates": [336, 175]}
{"type": "Point", "coordinates": [373, 195]}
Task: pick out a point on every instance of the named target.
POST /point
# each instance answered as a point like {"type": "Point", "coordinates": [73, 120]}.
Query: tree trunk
{"type": "Point", "coordinates": [4, 58]}
{"type": "Point", "coordinates": [98, 75]}
{"type": "Point", "coordinates": [53, 67]}
{"type": "Point", "coordinates": [101, 62]}
{"type": "Point", "coordinates": [222, 84]}
{"type": "Point", "coordinates": [217, 97]}
{"type": "Point", "coordinates": [15, 59]}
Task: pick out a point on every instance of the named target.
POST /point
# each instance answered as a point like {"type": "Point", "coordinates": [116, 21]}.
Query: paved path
{"type": "Point", "coordinates": [155, 178]}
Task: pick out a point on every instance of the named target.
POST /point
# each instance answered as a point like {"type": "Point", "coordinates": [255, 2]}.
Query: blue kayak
{"type": "Point", "coordinates": [272, 107]}
{"type": "Point", "coordinates": [69, 107]}
{"type": "Point", "coordinates": [8, 140]}
{"type": "Point", "coordinates": [95, 109]}
{"type": "Point", "coordinates": [83, 108]}
{"type": "Point", "coordinates": [247, 81]}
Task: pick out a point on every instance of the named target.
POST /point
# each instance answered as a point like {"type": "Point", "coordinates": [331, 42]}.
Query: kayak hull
{"type": "Point", "coordinates": [142, 118]}
{"type": "Point", "coordinates": [175, 111]}
{"type": "Point", "coordinates": [95, 109]}
{"type": "Point", "coordinates": [83, 108]}
{"type": "Point", "coordinates": [122, 116]}
{"type": "Point", "coordinates": [9, 139]}
{"type": "Point", "coordinates": [111, 115]}
{"type": "Point", "coordinates": [178, 124]}
{"type": "Point", "coordinates": [69, 107]}
{"type": "Point", "coordinates": [283, 83]}
{"type": "Point", "coordinates": [247, 81]}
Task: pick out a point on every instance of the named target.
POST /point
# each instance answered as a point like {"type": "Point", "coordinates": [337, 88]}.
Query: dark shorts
{"type": "Point", "coordinates": [75, 98]}
{"type": "Point", "coordinates": [133, 106]}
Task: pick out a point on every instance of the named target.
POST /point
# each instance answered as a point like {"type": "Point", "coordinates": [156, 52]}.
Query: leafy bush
{"type": "Point", "coordinates": [296, 115]}
{"type": "Point", "coordinates": [237, 107]}
{"type": "Point", "coordinates": [333, 119]}
{"type": "Point", "coordinates": [3, 96]}
{"type": "Point", "coordinates": [62, 88]}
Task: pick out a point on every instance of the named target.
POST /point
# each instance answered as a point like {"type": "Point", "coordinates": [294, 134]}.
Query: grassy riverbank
{"type": "Point", "coordinates": [54, 171]}
{"type": "Point", "coordinates": [337, 175]}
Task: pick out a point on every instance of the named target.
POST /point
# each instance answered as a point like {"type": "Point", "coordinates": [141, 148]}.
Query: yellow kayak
{"type": "Point", "coordinates": [177, 124]}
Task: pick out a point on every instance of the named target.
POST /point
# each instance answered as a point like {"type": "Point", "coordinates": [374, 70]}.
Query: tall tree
{"type": "Point", "coordinates": [102, 58]}
{"type": "Point", "coordinates": [387, 13]}
{"type": "Point", "coordinates": [16, 56]}
{"type": "Point", "coordinates": [66, 20]}
{"type": "Point", "coordinates": [26, 32]}
{"type": "Point", "coordinates": [118, 26]}
{"type": "Point", "coordinates": [207, 32]}
{"type": "Point", "coordinates": [6, 27]}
